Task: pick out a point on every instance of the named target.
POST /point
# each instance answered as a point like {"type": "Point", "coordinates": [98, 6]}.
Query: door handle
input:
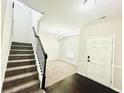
{"type": "Point", "coordinates": [88, 58]}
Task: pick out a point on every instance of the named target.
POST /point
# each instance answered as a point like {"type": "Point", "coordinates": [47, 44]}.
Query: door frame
{"type": "Point", "coordinates": [112, 58]}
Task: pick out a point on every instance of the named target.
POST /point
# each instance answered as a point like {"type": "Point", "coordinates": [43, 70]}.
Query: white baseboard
{"type": "Point", "coordinates": [52, 60]}
{"type": "Point", "coordinates": [118, 90]}
{"type": "Point", "coordinates": [68, 62]}
{"type": "Point", "coordinates": [62, 61]}
{"type": "Point", "coordinates": [81, 74]}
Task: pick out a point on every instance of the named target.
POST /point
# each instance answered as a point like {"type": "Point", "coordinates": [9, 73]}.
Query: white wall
{"type": "Point", "coordinates": [3, 11]}
{"type": "Point", "coordinates": [22, 27]}
{"type": "Point", "coordinates": [69, 49]}
{"type": "Point", "coordinates": [36, 20]}
{"type": "Point", "coordinates": [51, 45]}
{"type": "Point", "coordinates": [102, 30]}
{"type": "Point", "coordinates": [6, 38]}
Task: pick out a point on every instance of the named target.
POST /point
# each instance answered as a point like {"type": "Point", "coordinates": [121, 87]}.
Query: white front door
{"type": "Point", "coordinates": [99, 60]}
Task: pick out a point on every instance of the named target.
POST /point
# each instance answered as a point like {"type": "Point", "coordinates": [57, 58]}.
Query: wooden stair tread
{"type": "Point", "coordinates": [13, 61]}
{"type": "Point", "coordinates": [21, 43]}
{"type": "Point", "coordinates": [20, 46]}
{"type": "Point", "coordinates": [20, 50]}
{"type": "Point", "coordinates": [11, 78]}
{"type": "Point", "coordinates": [22, 86]}
{"type": "Point", "coordinates": [20, 67]}
{"type": "Point", "coordinates": [21, 55]}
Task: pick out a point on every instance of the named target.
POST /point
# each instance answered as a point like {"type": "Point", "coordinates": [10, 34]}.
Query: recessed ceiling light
{"type": "Point", "coordinates": [103, 17]}
{"type": "Point", "coordinates": [89, 2]}
{"type": "Point", "coordinates": [85, 1]}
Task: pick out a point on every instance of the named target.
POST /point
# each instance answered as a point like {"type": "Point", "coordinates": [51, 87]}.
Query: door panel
{"type": "Point", "coordinates": [99, 55]}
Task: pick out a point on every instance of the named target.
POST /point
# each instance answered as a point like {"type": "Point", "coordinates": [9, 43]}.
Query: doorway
{"type": "Point", "coordinates": [99, 60]}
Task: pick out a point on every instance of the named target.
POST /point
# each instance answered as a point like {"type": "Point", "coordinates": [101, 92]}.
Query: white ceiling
{"type": "Point", "coordinates": [65, 17]}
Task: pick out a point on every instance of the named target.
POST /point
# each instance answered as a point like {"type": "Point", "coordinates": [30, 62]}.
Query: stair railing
{"type": "Point", "coordinates": [42, 57]}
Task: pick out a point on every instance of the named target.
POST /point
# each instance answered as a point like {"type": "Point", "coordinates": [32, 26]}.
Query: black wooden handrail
{"type": "Point", "coordinates": [45, 58]}
{"type": "Point", "coordinates": [38, 39]}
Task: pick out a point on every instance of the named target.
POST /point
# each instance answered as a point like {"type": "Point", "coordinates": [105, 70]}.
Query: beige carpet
{"type": "Point", "coordinates": [58, 70]}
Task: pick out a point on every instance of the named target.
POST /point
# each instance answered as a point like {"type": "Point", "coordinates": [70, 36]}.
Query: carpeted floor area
{"type": "Point", "coordinates": [58, 70]}
{"type": "Point", "coordinates": [78, 84]}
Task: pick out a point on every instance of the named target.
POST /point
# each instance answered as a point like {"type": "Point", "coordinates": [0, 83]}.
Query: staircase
{"type": "Point", "coordinates": [21, 74]}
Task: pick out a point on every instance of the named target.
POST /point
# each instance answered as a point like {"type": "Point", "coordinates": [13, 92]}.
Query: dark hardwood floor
{"type": "Point", "coordinates": [77, 83]}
